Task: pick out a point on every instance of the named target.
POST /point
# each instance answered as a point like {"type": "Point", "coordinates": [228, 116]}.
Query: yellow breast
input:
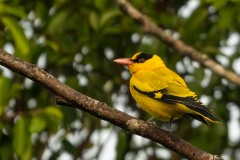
{"type": "Point", "coordinates": [158, 109]}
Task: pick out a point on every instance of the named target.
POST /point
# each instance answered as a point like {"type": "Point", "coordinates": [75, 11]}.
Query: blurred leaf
{"type": "Point", "coordinates": [12, 10]}
{"type": "Point", "coordinates": [121, 145]}
{"type": "Point", "coordinates": [53, 116]}
{"type": "Point", "coordinates": [54, 112]}
{"type": "Point", "coordinates": [15, 90]}
{"type": "Point", "coordinates": [38, 123]}
{"type": "Point", "coordinates": [1, 127]}
{"type": "Point", "coordinates": [4, 85]}
{"type": "Point", "coordinates": [101, 5]}
{"type": "Point", "coordinates": [194, 25]}
{"type": "Point", "coordinates": [41, 9]}
{"type": "Point", "coordinates": [69, 115]}
{"type": "Point", "coordinates": [167, 20]}
{"type": "Point", "coordinates": [107, 16]}
{"type": "Point", "coordinates": [53, 45]}
{"type": "Point", "coordinates": [1, 110]}
{"type": "Point", "coordinates": [226, 17]}
{"type": "Point", "coordinates": [22, 139]}
{"type": "Point", "coordinates": [58, 22]}
{"type": "Point", "coordinates": [210, 50]}
{"type": "Point", "coordinates": [18, 35]}
{"type": "Point", "coordinates": [6, 152]}
{"type": "Point", "coordinates": [11, 89]}
{"type": "Point", "coordinates": [196, 19]}
{"type": "Point", "coordinates": [93, 20]}
{"type": "Point", "coordinates": [219, 4]}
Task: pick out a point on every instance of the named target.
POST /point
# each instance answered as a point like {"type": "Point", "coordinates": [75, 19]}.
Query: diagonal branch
{"type": "Point", "coordinates": [70, 97]}
{"type": "Point", "coordinates": [151, 28]}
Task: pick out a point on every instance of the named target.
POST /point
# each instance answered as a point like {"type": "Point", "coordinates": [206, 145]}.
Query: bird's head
{"type": "Point", "coordinates": [141, 61]}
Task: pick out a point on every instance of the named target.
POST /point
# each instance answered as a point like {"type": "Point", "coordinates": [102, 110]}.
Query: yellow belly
{"type": "Point", "coordinates": [158, 109]}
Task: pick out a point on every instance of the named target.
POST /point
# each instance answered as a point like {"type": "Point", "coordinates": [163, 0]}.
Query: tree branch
{"type": "Point", "coordinates": [151, 28]}
{"type": "Point", "coordinates": [70, 97]}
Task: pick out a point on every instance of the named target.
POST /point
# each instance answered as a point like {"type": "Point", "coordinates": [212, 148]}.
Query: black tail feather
{"type": "Point", "coordinates": [197, 117]}
{"type": "Point", "coordinates": [194, 104]}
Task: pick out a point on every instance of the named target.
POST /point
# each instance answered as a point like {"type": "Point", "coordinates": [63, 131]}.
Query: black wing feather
{"type": "Point", "coordinates": [190, 102]}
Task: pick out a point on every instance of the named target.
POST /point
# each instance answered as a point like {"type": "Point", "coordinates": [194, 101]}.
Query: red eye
{"type": "Point", "coordinates": [141, 60]}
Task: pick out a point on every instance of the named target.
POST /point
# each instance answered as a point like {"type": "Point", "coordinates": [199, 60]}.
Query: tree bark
{"type": "Point", "coordinates": [152, 28]}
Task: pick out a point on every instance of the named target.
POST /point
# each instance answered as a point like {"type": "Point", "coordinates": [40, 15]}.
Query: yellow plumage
{"type": "Point", "coordinates": [161, 92]}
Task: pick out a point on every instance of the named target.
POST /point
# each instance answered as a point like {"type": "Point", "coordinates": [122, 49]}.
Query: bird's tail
{"type": "Point", "coordinates": [203, 115]}
{"type": "Point", "coordinates": [200, 111]}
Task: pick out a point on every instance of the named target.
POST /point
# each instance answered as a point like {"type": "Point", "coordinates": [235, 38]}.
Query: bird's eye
{"type": "Point", "coordinates": [141, 60]}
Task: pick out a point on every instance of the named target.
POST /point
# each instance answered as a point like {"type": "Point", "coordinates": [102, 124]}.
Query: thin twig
{"type": "Point", "coordinates": [151, 28]}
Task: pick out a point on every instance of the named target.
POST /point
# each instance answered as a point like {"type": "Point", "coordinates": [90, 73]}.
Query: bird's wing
{"type": "Point", "coordinates": [161, 81]}
{"type": "Point", "coordinates": [166, 86]}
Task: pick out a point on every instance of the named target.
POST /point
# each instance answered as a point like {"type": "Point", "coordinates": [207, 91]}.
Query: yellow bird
{"type": "Point", "coordinates": [161, 92]}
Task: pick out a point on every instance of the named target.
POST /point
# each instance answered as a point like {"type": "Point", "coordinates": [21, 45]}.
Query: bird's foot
{"type": "Point", "coordinates": [152, 123]}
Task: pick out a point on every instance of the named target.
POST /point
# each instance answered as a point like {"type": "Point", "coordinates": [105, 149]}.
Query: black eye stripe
{"type": "Point", "coordinates": [141, 57]}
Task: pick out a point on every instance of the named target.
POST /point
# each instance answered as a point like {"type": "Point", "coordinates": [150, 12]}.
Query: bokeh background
{"type": "Point", "coordinates": [76, 42]}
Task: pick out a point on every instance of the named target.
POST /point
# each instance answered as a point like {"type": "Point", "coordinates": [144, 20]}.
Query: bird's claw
{"type": "Point", "coordinates": [153, 124]}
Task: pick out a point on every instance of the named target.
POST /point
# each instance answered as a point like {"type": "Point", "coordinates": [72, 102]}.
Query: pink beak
{"type": "Point", "coordinates": [124, 61]}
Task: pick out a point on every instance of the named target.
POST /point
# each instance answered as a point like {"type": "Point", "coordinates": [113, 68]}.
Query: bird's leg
{"type": "Point", "coordinates": [150, 119]}
{"type": "Point", "coordinates": [152, 123]}
{"type": "Point", "coordinates": [169, 126]}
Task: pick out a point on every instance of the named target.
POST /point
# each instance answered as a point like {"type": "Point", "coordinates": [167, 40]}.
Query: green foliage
{"type": "Point", "coordinates": [76, 42]}
{"type": "Point", "coordinates": [121, 145]}
{"type": "Point", "coordinates": [48, 117]}
{"type": "Point", "coordinates": [5, 86]}
{"type": "Point", "coordinates": [18, 35]}
{"type": "Point", "coordinates": [12, 10]}
{"type": "Point", "coordinates": [21, 142]}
